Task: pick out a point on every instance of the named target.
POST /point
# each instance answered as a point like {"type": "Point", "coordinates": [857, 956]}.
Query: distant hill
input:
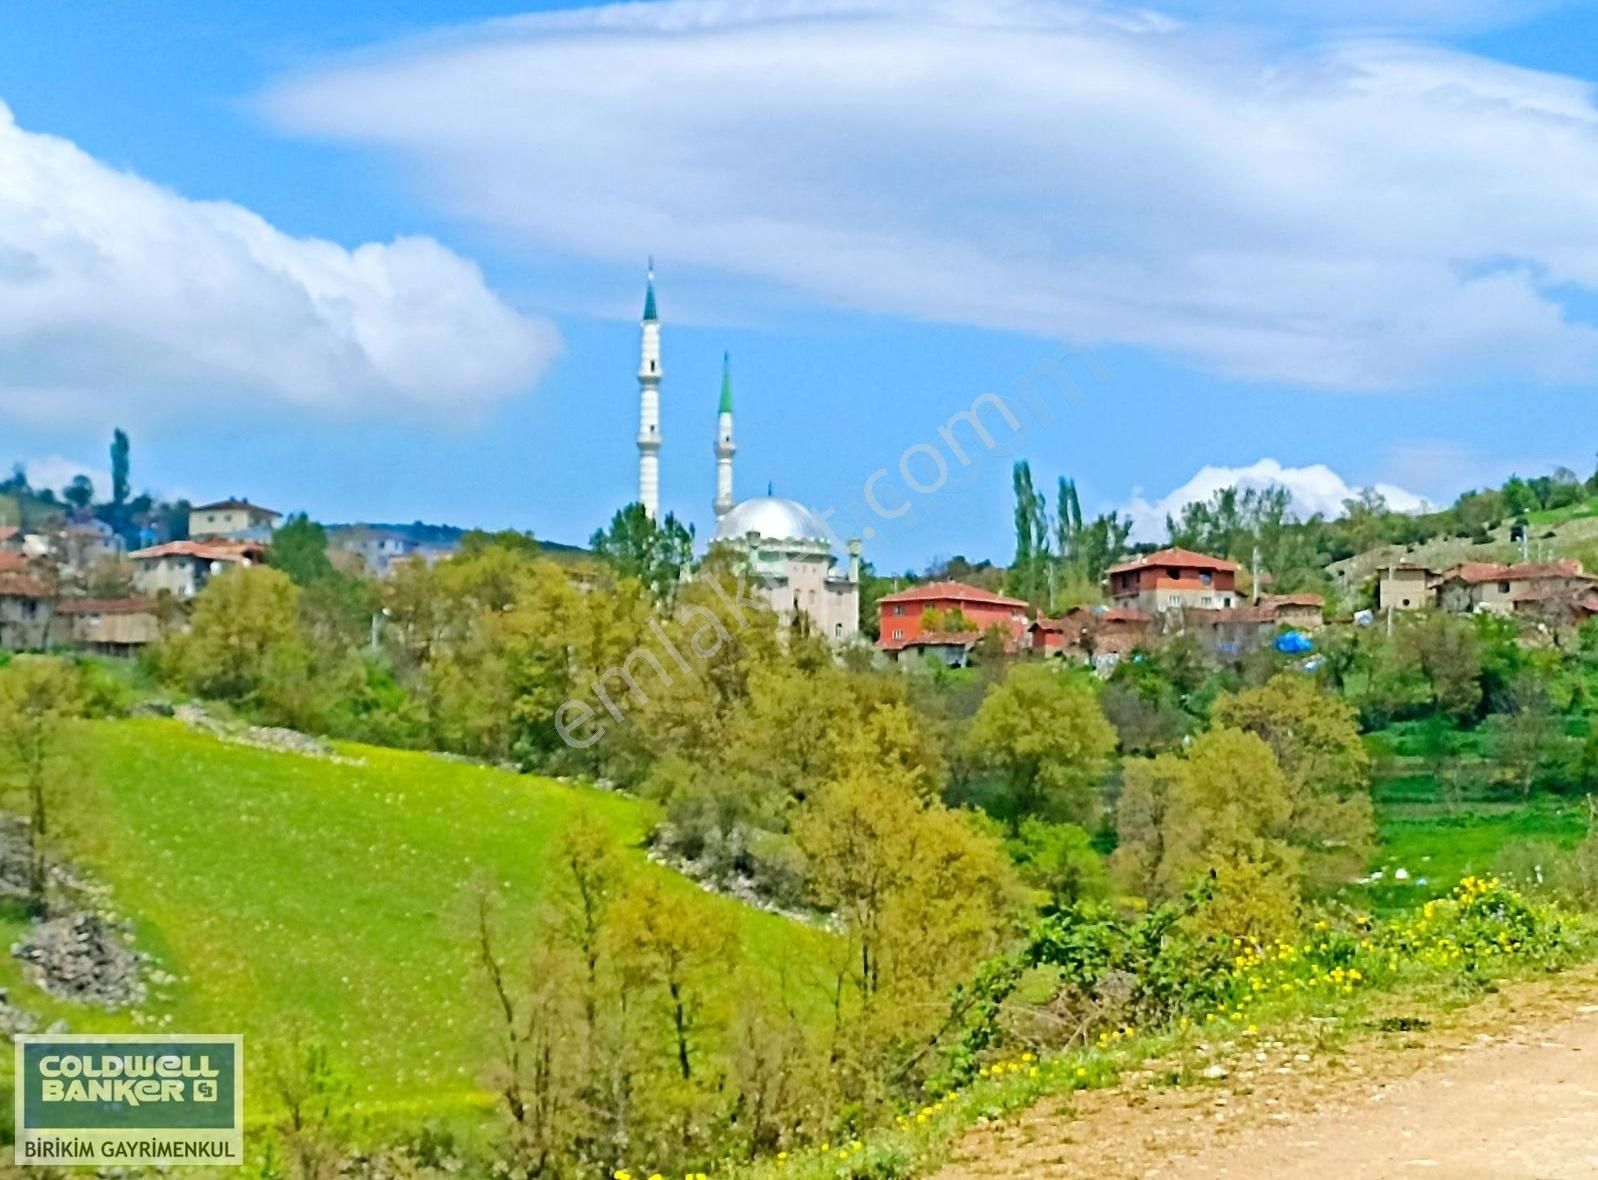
{"type": "Point", "coordinates": [449, 535]}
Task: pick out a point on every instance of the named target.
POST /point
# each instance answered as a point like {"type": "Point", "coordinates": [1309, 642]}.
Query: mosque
{"type": "Point", "coordinates": [787, 548]}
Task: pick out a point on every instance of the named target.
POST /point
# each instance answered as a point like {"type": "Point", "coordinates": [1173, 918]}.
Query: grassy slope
{"type": "Point", "coordinates": [282, 888]}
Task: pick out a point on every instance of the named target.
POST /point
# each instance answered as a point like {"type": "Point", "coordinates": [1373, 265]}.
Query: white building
{"type": "Point", "coordinates": [787, 548]}
{"type": "Point", "coordinates": [788, 553]}
{"type": "Point", "coordinates": [182, 568]}
{"type": "Point", "coordinates": [378, 549]}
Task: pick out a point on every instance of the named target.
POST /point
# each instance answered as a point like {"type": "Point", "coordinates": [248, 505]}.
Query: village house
{"type": "Point", "coordinates": [232, 519]}
{"type": "Point", "coordinates": [377, 549]}
{"type": "Point", "coordinates": [26, 612]}
{"type": "Point", "coordinates": [1099, 635]}
{"type": "Point", "coordinates": [87, 543]}
{"type": "Point", "coordinates": [1483, 586]}
{"type": "Point", "coordinates": [112, 627]}
{"type": "Point", "coordinates": [182, 568]}
{"type": "Point", "coordinates": [1406, 585]}
{"type": "Point", "coordinates": [904, 615]}
{"type": "Point", "coordinates": [1173, 580]}
{"type": "Point", "coordinates": [1233, 633]}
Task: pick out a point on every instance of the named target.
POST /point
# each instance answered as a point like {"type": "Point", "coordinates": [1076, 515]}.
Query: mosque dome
{"type": "Point", "coordinates": [774, 519]}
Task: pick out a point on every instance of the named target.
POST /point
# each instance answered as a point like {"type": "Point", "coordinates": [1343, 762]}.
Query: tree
{"type": "Point", "coordinates": [120, 487]}
{"type": "Point", "coordinates": [1315, 738]}
{"type": "Point", "coordinates": [666, 942]}
{"type": "Point", "coordinates": [1029, 572]}
{"type": "Point", "coordinates": [655, 553]}
{"type": "Point", "coordinates": [79, 493]}
{"type": "Point", "coordinates": [37, 696]}
{"type": "Point", "coordinates": [1446, 650]}
{"type": "Point", "coordinates": [1046, 735]}
{"type": "Point", "coordinates": [245, 626]}
{"type": "Point", "coordinates": [1059, 861]}
{"type": "Point", "coordinates": [1219, 812]}
{"type": "Point", "coordinates": [299, 549]}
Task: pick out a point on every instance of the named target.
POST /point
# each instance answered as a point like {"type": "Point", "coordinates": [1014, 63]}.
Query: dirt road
{"type": "Point", "coordinates": [1506, 1089]}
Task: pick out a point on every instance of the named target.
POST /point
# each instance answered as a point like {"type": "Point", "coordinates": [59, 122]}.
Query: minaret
{"type": "Point", "coordinates": [649, 404]}
{"type": "Point", "coordinates": [724, 444]}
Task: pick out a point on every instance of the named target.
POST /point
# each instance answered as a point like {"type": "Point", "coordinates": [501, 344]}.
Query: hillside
{"type": "Point", "coordinates": [282, 889]}
{"type": "Point", "coordinates": [1562, 532]}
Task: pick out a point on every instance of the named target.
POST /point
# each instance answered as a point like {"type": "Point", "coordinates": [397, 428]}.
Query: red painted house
{"type": "Point", "coordinates": [902, 614]}
{"type": "Point", "coordinates": [1175, 579]}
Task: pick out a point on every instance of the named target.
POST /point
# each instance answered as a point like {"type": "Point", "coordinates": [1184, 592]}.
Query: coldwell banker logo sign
{"type": "Point", "coordinates": [100, 1099]}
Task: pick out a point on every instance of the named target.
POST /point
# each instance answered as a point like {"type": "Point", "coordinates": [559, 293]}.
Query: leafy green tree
{"type": "Point", "coordinates": [79, 493]}
{"type": "Point", "coordinates": [1045, 734]}
{"type": "Point", "coordinates": [1315, 738]}
{"type": "Point", "coordinates": [121, 489]}
{"type": "Point", "coordinates": [654, 553]}
{"type": "Point", "coordinates": [245, 628]}
{"type": "Point", "coordinates": [38, 694]}
{"type": "Point", "coordinates": [1059, 861]}
{"type": "Point", "coordinates": [1219, 812]}
{"type": "Point", "coordinates": [299, 549]}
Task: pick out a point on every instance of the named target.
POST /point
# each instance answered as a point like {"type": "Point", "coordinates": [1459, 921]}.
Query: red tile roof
{"type": "Point", "coordinates": [22, 586]}
{"type": "Point", "coordinates": [207, 550]}
{"type": "Point", "coordinates": [952, 592]}
{"type": "Point", "coordinates": [1293, 600]}
{"type": "Point", "coordinates": [1486, 571]}
{"type": "Point", "coordinates": [966, 639]}
{"type": "Point", "coordinates": [1176, 559]}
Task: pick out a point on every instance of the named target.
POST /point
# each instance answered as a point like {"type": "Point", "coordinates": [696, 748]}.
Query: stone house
{"type": "Point", "coordinates": [27, 612]}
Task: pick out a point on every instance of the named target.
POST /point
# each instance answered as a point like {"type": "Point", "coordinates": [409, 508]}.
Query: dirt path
{"type": "Point", "coordinates": [1506, 1089]}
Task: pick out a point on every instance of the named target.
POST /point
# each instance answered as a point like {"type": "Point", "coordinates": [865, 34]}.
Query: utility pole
{"type": "Point", "coordinates": [1254, 578]}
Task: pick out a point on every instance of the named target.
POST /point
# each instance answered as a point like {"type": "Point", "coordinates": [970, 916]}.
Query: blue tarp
{"type": "Point", "coordinates": [1294, 643]}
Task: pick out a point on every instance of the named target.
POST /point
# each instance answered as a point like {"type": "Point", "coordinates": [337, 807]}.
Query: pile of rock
{"type": "Point", "coordinates": [83, 957]}
{"type": "Point", "coordinates": [261, 737]}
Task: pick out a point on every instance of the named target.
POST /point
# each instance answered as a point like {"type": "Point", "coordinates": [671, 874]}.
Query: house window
{"type": "Point", "coordinates": [1206, 577]}
{"type": "Point", "coordinates": [1174, 574]}
{"type": "Point", "coordinates": [898, 608]}
{"type": "Point", "coordinates": [1503, 587]}
{"type": "Point", "coordinates": [898, 633]}
{"type": "Point", "coordinates": [837, 630]}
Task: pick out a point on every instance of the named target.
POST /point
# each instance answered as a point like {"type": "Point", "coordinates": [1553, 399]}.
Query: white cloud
{"type": "Point", "coordinates": [118, 296]}
{"type": "Point", "coordinates": [1361, 214]}
{"type": "Point", "coordinates": [57, 471]}
{"type": "Point", "coordinates": [1315, 489]}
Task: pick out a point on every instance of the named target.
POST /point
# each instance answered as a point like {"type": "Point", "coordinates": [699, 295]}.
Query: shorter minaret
{"type": "Point", "coordinates": [649, 404]}
{"type": "Point", "coordinates": [724, 444]}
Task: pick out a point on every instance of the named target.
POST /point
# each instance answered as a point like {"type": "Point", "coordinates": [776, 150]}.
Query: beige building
{"type": "Point", "coordinates": [1406, 585]}
{"type": "Point", "coordinates": [232, 518]}
{"type": "Point", "coordinates": [182, 568]}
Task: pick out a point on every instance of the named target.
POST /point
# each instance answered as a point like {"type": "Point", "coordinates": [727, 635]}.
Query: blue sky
{"type": "Point", "coordinates": [1354, 244]}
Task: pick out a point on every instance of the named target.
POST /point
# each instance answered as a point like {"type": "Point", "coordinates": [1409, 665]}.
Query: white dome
{"type": "Point", "coordinates": [774, 519]}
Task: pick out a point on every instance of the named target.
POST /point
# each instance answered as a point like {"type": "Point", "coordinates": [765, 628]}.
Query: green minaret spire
{"type": "Point", "coordinates": [649, 295]}
{"type": "Point", "coordinates": [726, 385]}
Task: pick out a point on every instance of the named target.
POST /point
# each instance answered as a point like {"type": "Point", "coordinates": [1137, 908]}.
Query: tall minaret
{"type": "Point", "coordinates": [724, 443]}
{"type": "Point", "coordinates": [649, 404]}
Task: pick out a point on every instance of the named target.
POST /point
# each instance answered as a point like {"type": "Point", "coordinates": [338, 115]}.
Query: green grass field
{"type": "Point", "coordinates": [1437, 842]}
{"type": "Point", "coordinates": [283, 889]}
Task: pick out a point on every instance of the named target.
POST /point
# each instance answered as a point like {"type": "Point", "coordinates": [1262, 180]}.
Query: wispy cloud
{"type": "Point", "coordinates": [1315, 489]}
{"type": "Point", "coordinates": [1360, 214]}
{"type": "Point", "coordinates": [119, 298]}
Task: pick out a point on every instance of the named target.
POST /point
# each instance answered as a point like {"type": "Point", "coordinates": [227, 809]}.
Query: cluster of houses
{"type": "Point", "coordinates": [1178, 590]}
{"type": "Point", "coordinates": [48, 574]}
{"type": "Point", "coordinates": [1172, 589]}
{"type": "Point", "coordinates": [1542, 592]}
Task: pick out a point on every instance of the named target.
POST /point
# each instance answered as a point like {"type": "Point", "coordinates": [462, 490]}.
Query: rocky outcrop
{"type": "Point", "coordinates": [81, 956]}
{"type": "Point", "coordinates": [261, 737]}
